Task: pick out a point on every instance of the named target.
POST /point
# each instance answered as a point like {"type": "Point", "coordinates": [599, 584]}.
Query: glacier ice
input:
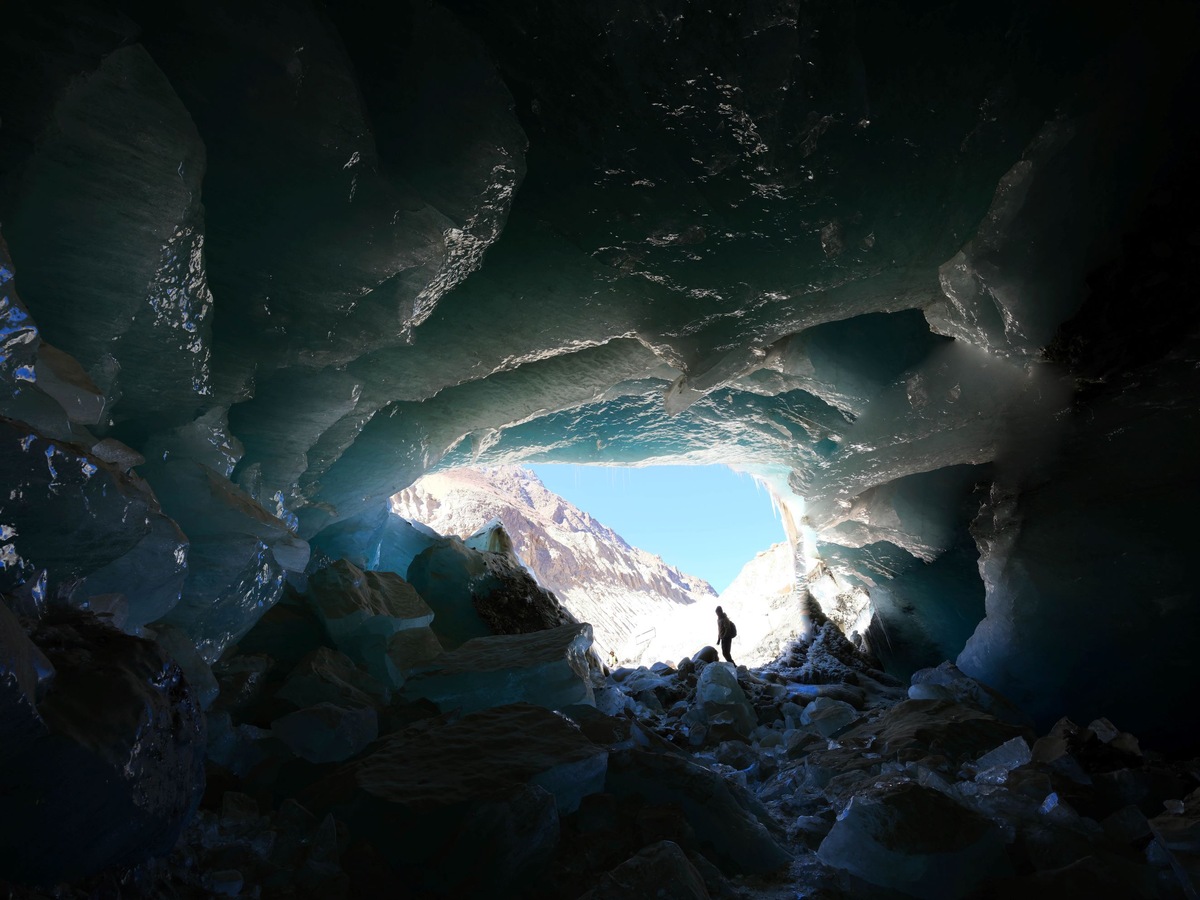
{"type": "Point", "coordinates": [327, 676]}
{"type": "Point", "coordinates": [721, 700]}
{"type": "Point", "coordinates": [363, 611]}
{"type": "Point", "coordinates": [548, 668]}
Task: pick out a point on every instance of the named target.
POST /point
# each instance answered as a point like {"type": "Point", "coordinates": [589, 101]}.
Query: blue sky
{"type": "Point", "coordinates": [706, 520]}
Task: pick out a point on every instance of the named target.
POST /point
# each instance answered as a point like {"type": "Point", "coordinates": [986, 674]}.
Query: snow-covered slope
{"type": "Point", "coordinates": [628, 595]}
{"type": "Point", "coordinates": [759, 601]}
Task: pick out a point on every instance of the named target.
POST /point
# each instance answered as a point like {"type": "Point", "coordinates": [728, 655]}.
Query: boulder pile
{"type": "Point", "coordinates": [341, 763]}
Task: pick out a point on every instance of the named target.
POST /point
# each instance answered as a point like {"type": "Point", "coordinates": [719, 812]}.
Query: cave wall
{"type": "Point", "coordinates": [268, 265]}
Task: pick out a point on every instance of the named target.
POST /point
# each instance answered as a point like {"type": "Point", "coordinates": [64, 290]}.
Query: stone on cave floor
{"type": "Point", "coordinates": [412, 648]}
{"type": "Point", "coordinates": [661, 870]}
{"type": "Point", "coordinates": [509, 841]}
{"type": "Point", "coordinates": [1121, 741]}
{"type": "Point", "coordinates": [119, 768]}
{"type": "Point", "coordinates": [846, 693]}
{"type": "Point", "coordinates": [914, 840]}
{"type": "Point", "coordinates": [735, 754]}
{"type": "Point", "coordinates": [1087, 749]}
{"type": "Point", "coordinates": [733, 833]}
{"type": "Point", "coordinates": [286, 851]}
{"type": "Point", "coordinates": [828, 716]}
{"type": "Point", "coordinates": [547, 668]}
{"type": "Point", "coordinates": [436, 763]}
{"type": "Point", "coordinates": [616, 732]}
{"type": "Point", "coordinates": [1127, 826]}
{"type": "Point", "coordinates": [706, 654]}
{"type": "Point", "coordinates": [421, 787]}
{"type": "Point", "coordinates": [362, 611]}
{"type": "Point", "coordinates": [326, 733]}
{"type": "Point", "coordinates": [1089, 876]}
{"type": "Point", "coordinates": [1149, 787]}
{"type": "Point", "coordinates": [510, 601]}
{"type": "Point", "coordinates": [112, 607]}
{"type": "Point", "coordinates": [327, 676]}
{"type": "Point", "coordinates": [934, 726]}
{"type": "Point", "coordinates": [240, 748]}
{"type": "Point", "coordinates": [948, 682]}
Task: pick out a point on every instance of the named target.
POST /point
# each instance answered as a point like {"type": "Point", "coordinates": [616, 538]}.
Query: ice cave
{"type": "Point", "coordinates": [922, 268]}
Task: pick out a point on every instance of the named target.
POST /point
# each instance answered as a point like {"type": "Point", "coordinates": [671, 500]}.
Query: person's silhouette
{"type": "Point", "coordinates": [726, 632]}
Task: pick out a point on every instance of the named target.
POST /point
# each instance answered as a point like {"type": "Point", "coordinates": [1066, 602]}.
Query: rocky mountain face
{"type": "Point", "coordinates": [598, 576]}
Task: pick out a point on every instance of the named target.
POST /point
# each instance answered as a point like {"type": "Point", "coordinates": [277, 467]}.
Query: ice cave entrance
{"type": "Point", "coordinates": [643, 553]}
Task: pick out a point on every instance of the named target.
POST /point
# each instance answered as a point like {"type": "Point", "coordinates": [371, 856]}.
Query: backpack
{"type": "Point", "coordinates": [732, 629]}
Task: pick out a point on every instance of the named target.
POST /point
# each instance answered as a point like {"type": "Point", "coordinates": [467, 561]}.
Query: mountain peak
{"type": "Point", "coordinates": [595, 572]}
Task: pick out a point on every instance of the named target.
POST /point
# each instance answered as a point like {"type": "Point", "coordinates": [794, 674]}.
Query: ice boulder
{"type": "Point", "coordinates": [120, 766]}
{"type": "Point", "coordinates": [660, 870]}
{"type": "Point", "coordinates": [828, 716]}
{"type": "Point", "coordinates": [232, 581]}
{"type": "Point", "coordinates": [731, 830]}
{"type": "Point", "coordinates": [421, 788]}
{"type": "Point", "coordinates": [993, 767]}
{"type": "Point", "coordinates": [509, 840]}
{"type": "Point", "coordinates": [287, 632]}
{"type": "Point", "coordinates": [948, 682]}
{"type": "Point", "coordinates": [720, 700]}
{"type": "Point", "coordinates": [362, 611]}
{"type": "Point", "coordinates": [912, 839]}
{"type": "Point", "coordinates": [75, 517]}
{"type": "Point", "coordinates": [326, 733]}
{"type": "Point", "coordinates": [547, 668]}
{"type": "Point", "coordinates": [327, 676]}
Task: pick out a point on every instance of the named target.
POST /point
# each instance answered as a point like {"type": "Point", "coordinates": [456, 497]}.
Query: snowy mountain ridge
{"type": "Point", "coordinates": [622, 590]}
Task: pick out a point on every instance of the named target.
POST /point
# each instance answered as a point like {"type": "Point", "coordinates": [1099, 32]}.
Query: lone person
{"type": "Point", "coordinates": [726, 632]}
